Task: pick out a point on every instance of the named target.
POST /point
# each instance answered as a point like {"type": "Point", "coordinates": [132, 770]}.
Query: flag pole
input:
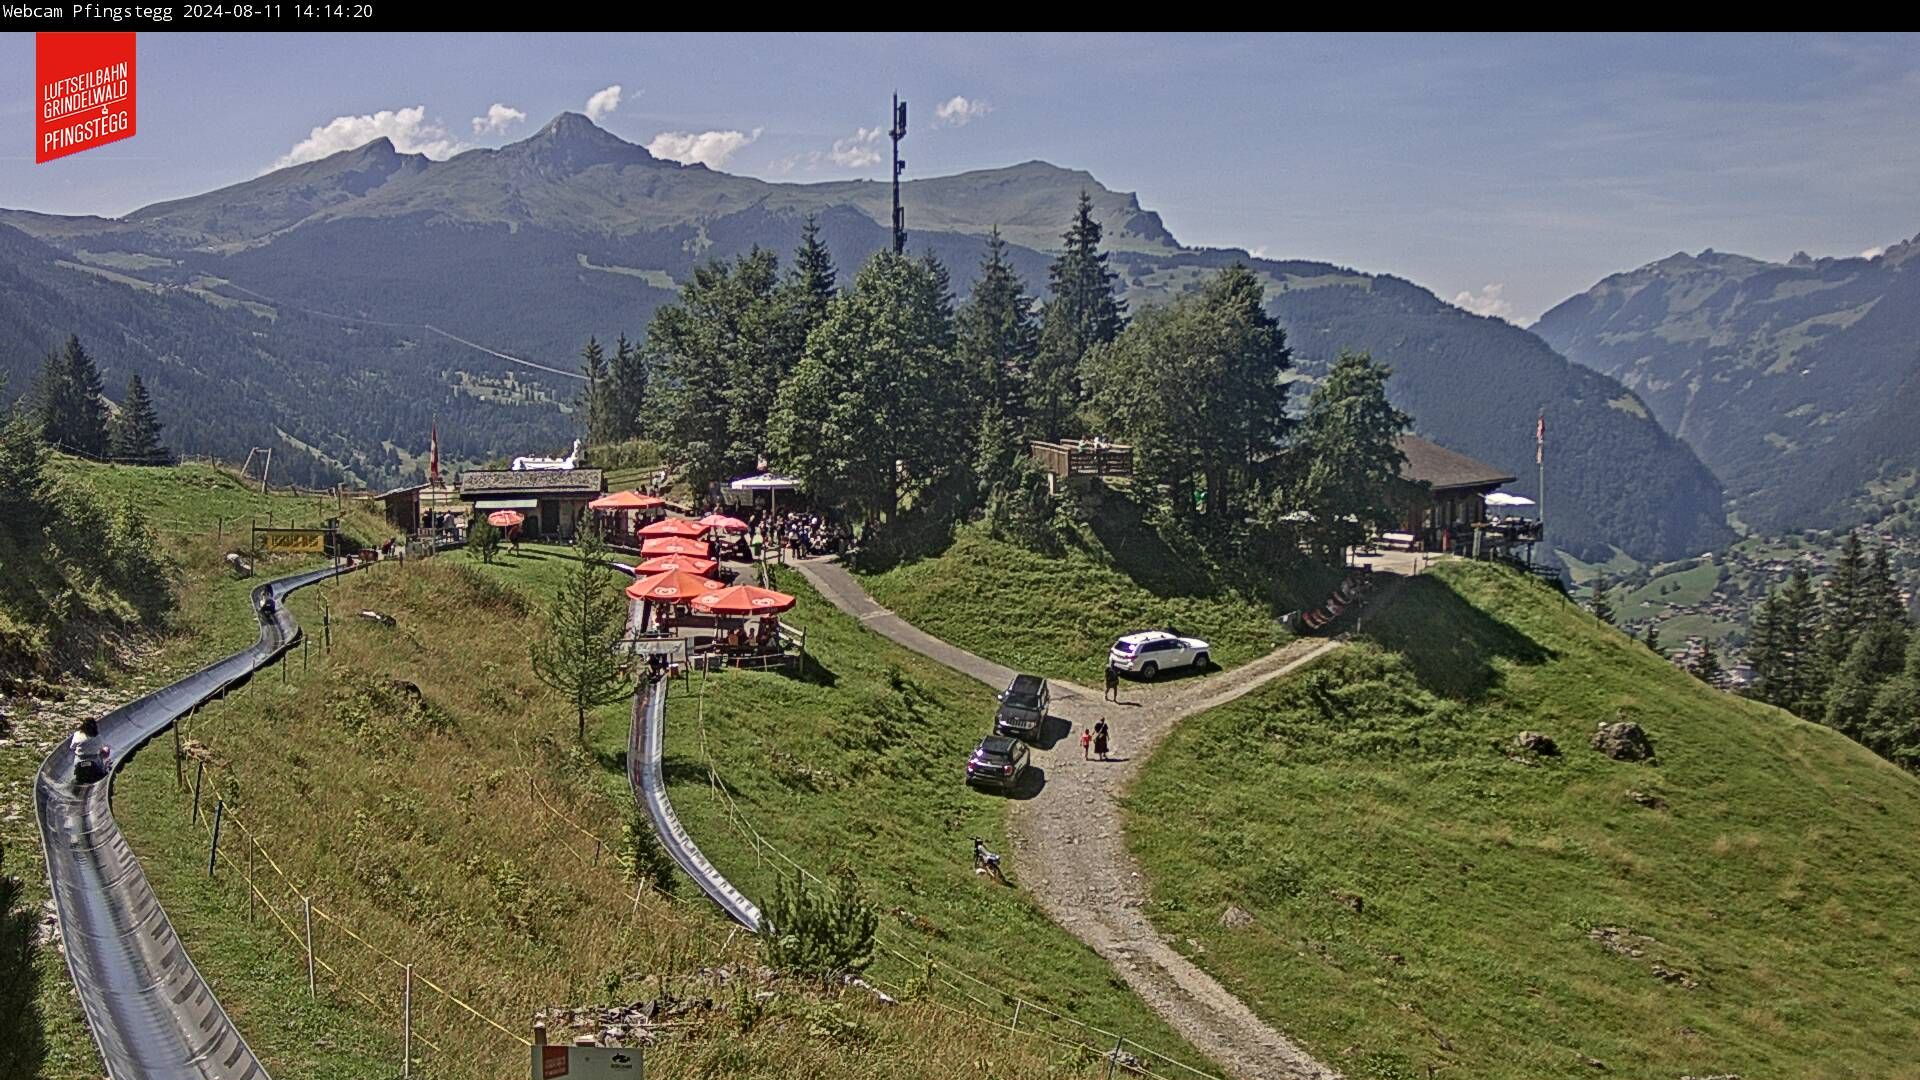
{"type": "Point", "coordinates": [1540, 460]}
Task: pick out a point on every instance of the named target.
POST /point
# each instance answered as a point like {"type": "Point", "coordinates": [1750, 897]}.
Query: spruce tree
{"type": "Point", "coordinates": [594, 398]}
{"type": "Point", "coordinates": [135, 433]}
{"type": "Point", "coordinates": [1706, 666]}
{"type": "Point", "coordinates": [1844, 607]}
{"type": "Point", "coordinates": [1652, 639]}
{"type": "Point", "coordinates": [1797, 631]}
{"type": "Point", "coordinates": [996, 336]}
{"type": "Point", "coordinates": [1880, 598]}
{"type": "Point", "coordinates": [1082, 311]}
{"type": "Point", "coordinates": [813, 278]}
{"type": "Point", "coordinates": [627, 390]}
{"type": "Point", "coordinates": [586, 621]}
{"type": "Point", "coordinates": [1877, 655]}
{"type": "Point", "coordinates": [1602, 605]}
{"type": "Point", "coordinates": [71, 414]}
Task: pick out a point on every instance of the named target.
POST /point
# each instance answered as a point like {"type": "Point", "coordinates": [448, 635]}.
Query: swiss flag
{"type": "Point", "coordinates": [83, 92]}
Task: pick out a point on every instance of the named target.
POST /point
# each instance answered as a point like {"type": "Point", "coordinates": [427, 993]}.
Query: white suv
{"type": "Point", "coordinates": [1150, 652]}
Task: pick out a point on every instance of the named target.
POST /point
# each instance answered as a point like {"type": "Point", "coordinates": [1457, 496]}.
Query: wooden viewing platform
{"type": "Point", "coordinates": [1083, 457]}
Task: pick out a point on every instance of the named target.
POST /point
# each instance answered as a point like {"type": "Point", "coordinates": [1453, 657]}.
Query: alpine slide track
{"type": "Point", "coordinates": [151, 1013]}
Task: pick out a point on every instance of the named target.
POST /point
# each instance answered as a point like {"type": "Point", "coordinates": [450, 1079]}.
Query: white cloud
{"type": "Point", "coordinates": [1874, 252]}
{"type": "Point", "coordinates": [859, 150]}
{"type": "Point", "coordinates": [1488, 301]}
{"type": "Point", "coordinates": [709, 148]}
{"type": "Point", "coordinates": [499, 117]}
{"type": "Point", "coordinates": [956, 111]}
{"type": "Point", "coordinates": [410, 130]}
{"type": "Point", "coordinates": [602, 104]}
{"type": "Point", "coordinates": [1260, 252]}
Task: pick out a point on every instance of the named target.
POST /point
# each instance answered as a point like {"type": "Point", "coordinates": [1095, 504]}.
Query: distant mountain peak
{"type": "Point", "coordinates": [571, 142]}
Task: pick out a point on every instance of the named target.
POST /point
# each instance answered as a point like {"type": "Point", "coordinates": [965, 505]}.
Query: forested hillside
{"type": "Point", "coordinates": [1787, 377]}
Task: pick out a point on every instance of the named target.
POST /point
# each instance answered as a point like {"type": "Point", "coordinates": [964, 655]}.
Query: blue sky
{"type": "Point", "coordinates": [1507, 171]}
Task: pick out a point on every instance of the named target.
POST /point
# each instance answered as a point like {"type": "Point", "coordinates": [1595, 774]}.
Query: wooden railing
{"type": "Point", "coordinates": [1083, 458]}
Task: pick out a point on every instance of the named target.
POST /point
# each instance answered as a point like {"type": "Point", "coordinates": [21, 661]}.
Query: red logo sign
{"type": "Point", "coordinates": [84, 92]}
{"type": "Point", "coordinates": [553, 1062]}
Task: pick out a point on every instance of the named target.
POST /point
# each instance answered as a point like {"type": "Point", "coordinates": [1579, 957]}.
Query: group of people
{"type": "Point", "coordinates": [803, 533]}
{"type": "Point", "coordinates": [1096, 740]}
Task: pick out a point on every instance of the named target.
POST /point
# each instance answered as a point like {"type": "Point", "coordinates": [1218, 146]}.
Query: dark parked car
{"type": "Point", "coordinates": [998, 762]}
{"type": "Point", "coordinates": [1023, 707]}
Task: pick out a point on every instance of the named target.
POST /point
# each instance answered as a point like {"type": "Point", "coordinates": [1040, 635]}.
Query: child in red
{"type": "Point", "coordinates": [1086, 741]}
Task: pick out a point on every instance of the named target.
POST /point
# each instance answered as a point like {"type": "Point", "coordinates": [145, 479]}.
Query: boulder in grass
{"type": "Point", "coordinates": [1537, 743]}
{"type": "Point", "coordinates": [1235, 917]}
{"type": "Point", "coordinates": [1623, 740]}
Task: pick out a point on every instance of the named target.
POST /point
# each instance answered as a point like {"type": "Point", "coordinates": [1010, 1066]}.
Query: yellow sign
{"type": "Point", "coordinates": [293, 541]}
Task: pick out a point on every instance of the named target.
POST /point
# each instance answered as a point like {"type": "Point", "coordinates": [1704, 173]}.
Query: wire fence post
{"type": "Point", "coordinates": [1114, 1058]}
{"type": "Point", "coordinates": [306, 903]}
{"type": "Point", "coordinates": [252, 893]}
{"type": "Point", "coordinates": [406, 1026]}
{"type": "Point", "coordinates": [199, 767]}
{"type": "Point", "coordinates": [213, 848]}
{"type": "Point", "coordinates": [1015, 1024]}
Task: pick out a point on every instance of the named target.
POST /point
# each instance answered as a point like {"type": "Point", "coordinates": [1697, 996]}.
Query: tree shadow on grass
{"type": "Point", "coordinates": [23, 1044]}
{"type": "Point", "coordinates": [1139, 551]}
{"type": "Point", "coordinates": [1450, 644]}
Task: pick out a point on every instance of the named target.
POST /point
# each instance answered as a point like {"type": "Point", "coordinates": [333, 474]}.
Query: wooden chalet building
{"type": "Point", "coordinates": [1444, 495]}
{"type": "Point", "coordinates": [553, 500]}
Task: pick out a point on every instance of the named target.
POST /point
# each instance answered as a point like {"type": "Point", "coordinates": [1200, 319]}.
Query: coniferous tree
{"type": "Point", "coordinates": [1652, 639]}
{"type": "Point", "coordinates": [1706, 666]}
{"type": "Point", "coordinates": [71, 414]}
{"type": "Point", "coordinates": [1766, 642]}
{"type": "Point", "coordinates": [813, 279]}
{"type": "Point", "coordinates": [1082, 311]}
{"type": "Point", "coordinates": [1877, 654]}
{"type": "Point", "coordinates": [996, 336]}
{"type": "Point", "coordinates": [1880, 598]}
{"type": "Point", "coordinates": [1797, 634]}
{"type": "Point", "coordinates": [1844, 606]}
{"type": "Point", "coordinates": [1602, 605]}
{"type": "Point", "coordinates": [627, 390]}
{"type": "Point", "coordinates": [594, 398]}
{"type": "Point", "coordinates": [135, 432]}
{"type": "Point", "coordinates": [586, 620]}
{"type": "Point", "coordinates": [1893, 720]}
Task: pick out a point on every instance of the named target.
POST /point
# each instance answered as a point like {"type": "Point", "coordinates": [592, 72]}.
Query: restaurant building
{"type": "Point", "coordinates": [553, 500]}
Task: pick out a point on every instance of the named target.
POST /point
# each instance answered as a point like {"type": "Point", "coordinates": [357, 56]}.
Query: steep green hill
{"type": "Point", "coordinates": [1791, 379]}
{"type": "Point", "coordinates": [230, 303]}
{"type": "Point", "coordinates": [1355, 853]}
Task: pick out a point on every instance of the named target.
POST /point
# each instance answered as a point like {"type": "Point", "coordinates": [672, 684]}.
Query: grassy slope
{"type": "Point", "coordinates": [431, 846]}
{"type": "Point", "coordinates": [861, 764]}
{"type": "Point", "coordinates": [1058, 616]}
{"type": "Point", "coordinates": [187, 504]}
{"type": "Point", "coordinates": [1778, 874]}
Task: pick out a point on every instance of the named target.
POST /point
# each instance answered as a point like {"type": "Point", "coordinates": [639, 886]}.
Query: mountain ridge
{"type": "Point", "coordinates": [573, 231]}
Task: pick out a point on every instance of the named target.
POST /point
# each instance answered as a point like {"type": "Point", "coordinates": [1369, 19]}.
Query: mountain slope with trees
{"type": "Point", "coordinates": [1786, 377]}
{"type": "Point", "coordinates": [300, 308]}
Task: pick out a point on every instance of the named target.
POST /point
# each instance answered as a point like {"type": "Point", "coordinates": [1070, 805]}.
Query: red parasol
{"type": "Point", "coordinates": [723, 523]}
{"type": "Point", "coordinates": [672, 527]}
{"type": "Point", "coordinates": [672, 587]}
{"type": "Point", "coordinates": [673, 545]}
{"type": "Point", "coordinates": [505, 519]}
{"type": "Point", "coordinates": [626, 500]}
{"type": "Point", "coordinates": [692, 564]}
{"type": "Point", "coordinates": [743, 600]}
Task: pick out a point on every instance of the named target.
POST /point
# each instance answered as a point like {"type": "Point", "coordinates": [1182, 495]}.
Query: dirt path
{"type": "Point", "coordinates": [1071, 852]}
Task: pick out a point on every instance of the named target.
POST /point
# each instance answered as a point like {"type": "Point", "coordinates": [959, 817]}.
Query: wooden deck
{"type": "Point", "coordinates": [1083, 457]}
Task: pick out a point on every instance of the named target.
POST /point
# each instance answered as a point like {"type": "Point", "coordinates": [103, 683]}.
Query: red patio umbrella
{"type": "Point", "coordinates": [744, 600]}
{"type": "Point", "coordinates": [505, 519]}
{"type": "Point", "coordinates": [723, 523]}
{"type": "Point", "coordinates": [626, 500]}
{"type": "Point", "coordinates": [672, 587]}
{"type": "Point", "coordinates": [673, 527]}
{"type": "Point", "coordinates": [692, 564]}
{"type": "Point", "coordinates": [673, 545]}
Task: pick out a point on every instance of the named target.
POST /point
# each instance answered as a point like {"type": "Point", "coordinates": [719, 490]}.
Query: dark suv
{"type": "Point", "coordinates": [998, 762]}
{"type": "Point", "coordinates": [1023, 707]}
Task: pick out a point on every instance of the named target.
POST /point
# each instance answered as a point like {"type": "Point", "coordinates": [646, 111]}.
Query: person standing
{"type": "Point", "coordinates": [1113, 682]}
{"type": "Point", "coordinates": [1100, 738]}
{"type": "Point", "coordinates": [1086, 743]}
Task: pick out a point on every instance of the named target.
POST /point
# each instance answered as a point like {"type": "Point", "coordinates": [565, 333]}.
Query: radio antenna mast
{"type": "Point", "coordinates": [899, 215]}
